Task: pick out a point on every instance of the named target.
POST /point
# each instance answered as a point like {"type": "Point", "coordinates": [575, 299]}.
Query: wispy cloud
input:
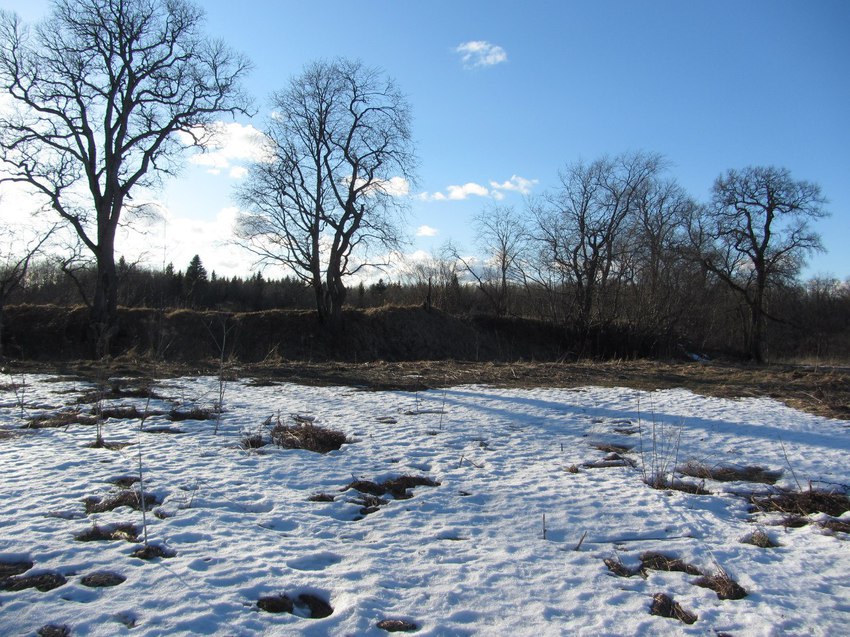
{"type": "Point", "coordinates": [478, 53]}
{"type": "Point", "coordinates": [497, 190]}
{"type": "Point", "coordinates": [426, 231]}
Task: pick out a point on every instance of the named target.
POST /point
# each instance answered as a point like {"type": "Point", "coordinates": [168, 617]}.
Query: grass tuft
{"type": "Point", "coordinates": [760, 539]}
{"type": "Point", "coordinates": [729, 473]}
{"type": "Point", "coordinates": [723, 585]}
{"type": "Point", "coordinates": [122, 531]}
{"type": "Point", "coordinates": [307, 436]}
{"type": "Point", "coordinates": [801, 503]}
{"type": "Point", "coordinates": [127, 497]}
{"type": "Point", "coordinates": [652, 561]}
{"type": "Point", "coordinates": [664, 606]}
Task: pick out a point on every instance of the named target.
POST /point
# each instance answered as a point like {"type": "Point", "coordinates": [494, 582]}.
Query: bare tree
{"type": "Point", "coordinates": [501, 237]}
{"type": "Point", "coordinates": [582, 226]}
{"type": "Point", "coordinates": [339, 154]}
{"type": "Point", "coordinates": [755, 234]}
{"type": "Point", "coordinates": [14, 265]}
{"type": "Point", "coordinates": [100, 88]}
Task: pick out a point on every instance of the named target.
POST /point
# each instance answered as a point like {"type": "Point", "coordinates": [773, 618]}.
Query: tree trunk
{"type": "Point", "coordinates": [104, 310]}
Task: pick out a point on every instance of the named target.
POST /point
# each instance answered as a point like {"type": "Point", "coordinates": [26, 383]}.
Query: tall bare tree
{"type": "Point", "coordinates": [501, 237]}
{"type": "Point", "coordinates": [755, 234]}
{"type": "Point", "coordinates": [339, 153]}
{"type": "Point", "coordinates": [100, 88]}
{"type": "Point", "coordinates": [582, 226]}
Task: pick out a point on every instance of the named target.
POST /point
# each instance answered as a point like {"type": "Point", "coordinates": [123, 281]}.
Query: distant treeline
{"type": "Point", "coordinates": [692, 314]}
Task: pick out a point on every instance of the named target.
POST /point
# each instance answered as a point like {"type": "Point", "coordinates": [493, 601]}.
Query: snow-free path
{"type": "Point", "coordinates": [491, 551]}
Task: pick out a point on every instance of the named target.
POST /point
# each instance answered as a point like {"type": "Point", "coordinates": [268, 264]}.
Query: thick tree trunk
{"type": "Point", "coordinates": [104, 310]}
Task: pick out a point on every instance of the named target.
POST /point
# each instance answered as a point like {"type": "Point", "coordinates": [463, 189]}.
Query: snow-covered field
{"type": "Point", "coordinates": [513, 541]}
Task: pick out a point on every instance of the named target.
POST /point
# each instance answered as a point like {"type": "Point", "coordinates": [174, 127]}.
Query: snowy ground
{"type": "Point", "coordinates": [491, 551]}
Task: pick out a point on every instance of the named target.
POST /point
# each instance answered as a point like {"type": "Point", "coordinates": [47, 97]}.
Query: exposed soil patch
{"type": "Point", "coordinates": [321, 497]}
{"type": "Point", "coordinates": [723, 585]}
{"type": "Point", "coordinates": [60, 420]}
{"type": "Point", "coordinates": [8, 568]}
{"type": "Point", "coordinates": [128, 497]}
{"type": "Point", "coordinates": [307, 605]}
{"type": "Point", "coordinates": [43, 582]}
{"type": "Point", "coordinates": [163, 430]}
{"type": "Point", "coordinates": [306, 435]}
{"type": "Point", "coordinates": [397, 626]}
{"type": "Point", "coordinates": [396, 487]}
{"type": "Point", "coordinates": [153, 551]}
{"type": "Point", "coordinates": [368, 503]}
{"type": "Point", "coordinates": [54, 630]}
{"type": "Point", "coordinates": [316, 606]}
{"type": "Point", "coordinates": [729, 473]}
{"type": "Point", "coordinates": [198, 413]}
{"type": "Point", "coordinates": [664, 606]}
{"type": "Point", "coordinates": [276, 604]}
{"type": "Point", "coordinates": [802, 502]}
{"type": "Point", "coordinates": [125, 482]}
{"type": "Point", "coordinates": [121, 531]}
{"type": "Point", "coordinates": [100, 443]}
{"type": "Point", "coordinates": [102, 579]}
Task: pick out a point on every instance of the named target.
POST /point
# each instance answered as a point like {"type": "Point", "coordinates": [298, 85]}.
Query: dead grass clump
{"type": "Point", "coordinates": [803, 502]}
{"type": "Point", "coordinates": [321, 497]}
{"type": "Point", "coordinates": [760, 539]}
{"type": "Point", "coordinates": [663, 483]}
{"type": "Point", "coordinates": [660, 562]}
{"type": "Point", "coordinates": [368, 503]}
{"type": "Point", "coordinates": [125, 482]}
{"type": "Point", "coordinates": [397, 626]}
{"type": "Point", "coordinates": [125, 498]}
{"type": "Point", "coordinates": [60, 420]}
{"type": "Point", "coordinates": [253, 441]}
{"type": "Point", "coordinates": [836, 526]}
{"type": "Point", "coordinates": [307, 436]}
{"type": "Point", "coordinates": [196, 413]}
{"type": "Point", "coordinates": [723, 585]}
{"type": "Point", "coordinates": [162, 430]}
{"type": "Point", "coordinates": [43, 582]}
{"type": "Point", "coordinates": [729, 473]}
{"type": "Point", "coordinates": [612, 448]}
{"type": "Point", "coordinates": [398, 487]}
{"type": "Point", "coordinates": [276, 604]}
{"type": "Point", "coordinates": [122, 531]}
{"type": "Point", "coordinates": [153, 551]}
{"type": "Point", "coordinates": [100, 443]}
{"type": "Point", "coordinates": [573, 468]}
{"type": "Point", "coordinates": [619, 569]}
{"type": "Point", "coordinates": [119, 413]}
{"type": "Point", "coordinates": [54, 630]}
{"type": "Point", "coordinates": [102, 579]}
{"type": "Point", "coordinates": [664, 606]}
{"type": "Point", "coordinates": [9, 568]}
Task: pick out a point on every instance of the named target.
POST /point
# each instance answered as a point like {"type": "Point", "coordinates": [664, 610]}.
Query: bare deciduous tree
{"type": "Point", "coordinates": [755, 233]}
{"type": "Point", "coordinates": [582, 226]}
{"type": "Point", "coordinates": [339, 155]}
{"type": "Point", "coordinates": [501, 238]}
{"type": "Point", "coordinates": [99, 90]}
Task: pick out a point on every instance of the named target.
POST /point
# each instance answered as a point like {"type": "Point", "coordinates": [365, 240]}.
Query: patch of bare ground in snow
{"type": "Point", "coordinates": [823, 390]}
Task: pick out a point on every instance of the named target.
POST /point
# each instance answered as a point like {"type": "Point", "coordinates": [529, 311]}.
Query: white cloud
{"type": "Point", "coordinates": [478, 53]}
{"type": "Point", "coordinates": [226, 144]}
{"type": "Point", "coordinates": [426, 231]}
{"type": "Point", "coordinates": [496, 191]}
{"type": "Point", "coordinates": [515, 184]}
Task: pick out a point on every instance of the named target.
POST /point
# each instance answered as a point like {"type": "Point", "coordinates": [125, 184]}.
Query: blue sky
{"type": "Point", "coordinates": [711, 85]}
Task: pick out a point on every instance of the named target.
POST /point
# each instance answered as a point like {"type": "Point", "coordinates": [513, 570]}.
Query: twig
{"type": "Point", "coordinates": [581, 541]}
{"type": "Point", "coordinates": [788, 462]}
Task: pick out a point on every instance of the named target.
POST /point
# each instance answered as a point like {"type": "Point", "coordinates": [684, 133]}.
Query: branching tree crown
{"type": "Point", "coordinates": [340, 153]}
{"type": "Point", "coordinates": [755, 234]}
{"type": "Point", "coordinates": [99, 90]}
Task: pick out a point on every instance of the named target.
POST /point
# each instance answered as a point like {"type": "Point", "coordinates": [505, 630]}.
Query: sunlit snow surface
{"type": "Point", "coordinates": [468, 557]}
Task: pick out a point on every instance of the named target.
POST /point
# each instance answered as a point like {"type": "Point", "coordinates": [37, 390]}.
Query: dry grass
{"type": "Point", "coordinates": [54, 630]}
{"type": "Point", "coordinates": [196, 413]}
{"type": "Point", "coordinates": [760, 539]}
{"type": "Point", "coordinates": [722, 584]}
{"type": "Point", "coordinates": [102, 579]}
{"type": "Point", "coordinates": [664, 606]}
{"type": "Point", "coordinates": [129, 498]}
{"type": "Point", "coordinates": [729, 473]}
{"type": "Point", "coordinates": [153, 551]}
{"type": "Point", "coordinates": [10, 568]}
{"type": "Point", "coordinates": [652, 561]}
{"type": "Point", "coordinates": [662, 482]}
{"type": "Point", "coordinates": [397, 626]}
{"type": "Point", "coordinates": [60, 419]}
{"type": "Point", "coordinates": [124, 531]}
{"type": "Point", "coordinates": [802, 503]}
{"type": "Point", "coordinates": [307, 436]}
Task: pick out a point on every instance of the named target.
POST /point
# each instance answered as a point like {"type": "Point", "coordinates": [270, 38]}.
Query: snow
{"type": "Point", "coordinates": [512, 541]}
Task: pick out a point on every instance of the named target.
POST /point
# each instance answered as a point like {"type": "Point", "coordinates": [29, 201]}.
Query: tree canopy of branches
{"type": "Point", "coordinates": [340, 153]}
{"type": "Point", "coordinates": [99, 90]}
{"type": "Point", "coordinates": [582, 226]}
{"type": "Point", "coordinates": [755, 234]}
